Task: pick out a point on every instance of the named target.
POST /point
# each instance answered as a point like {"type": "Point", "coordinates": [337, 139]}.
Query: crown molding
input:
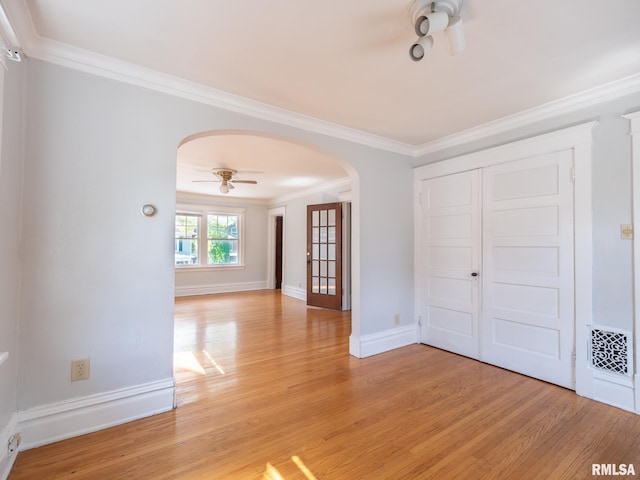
{"type": "Point", "coordinates": [610, 91]}
{"type": "Point", "coordinates": [83, 60]}
{"type": "Point", "coordinates": [34, 46]}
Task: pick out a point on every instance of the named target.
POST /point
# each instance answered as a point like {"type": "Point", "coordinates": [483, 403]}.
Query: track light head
{"type": "Point", "coordinates": [431, 23]}
{"type": "Point", "coordinates": [419, 49]}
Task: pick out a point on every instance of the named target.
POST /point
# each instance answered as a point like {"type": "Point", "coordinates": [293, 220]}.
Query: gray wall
{"type": "Point", "coordinates": [612, 199]}
{"type": "Point", "coordinates": [99, 277]}
{"type": "Point", "coordinates": [10, 221]}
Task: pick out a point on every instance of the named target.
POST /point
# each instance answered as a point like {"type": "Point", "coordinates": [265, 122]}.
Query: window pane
{"type": "Point", "coordinates": [186, 244]}
{"type": "Point", "coordinates": [222, 226]}
{"type": "Point", "coordinates": [332, 269]}
{"type": "Point", "coordinates": [332, 217]}
{"type": "Point", "coordinates": [222, 252]}
{"type": "Point", "coordinates": [323, 218]}
{"type": "Point", "coordinates": [332, 286]}
{"type": "Point", "coordinates": [323, 235]}
{"type": "Point", "coordinates": [315, 218]}
{"type": "Point", "coordinates": [332, 235]}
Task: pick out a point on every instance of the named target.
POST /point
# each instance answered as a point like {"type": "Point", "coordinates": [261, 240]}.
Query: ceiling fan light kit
{"type": "Point", "coordinates": [431, 17]}
{"type": "Point", "coordinates": [226, 179]}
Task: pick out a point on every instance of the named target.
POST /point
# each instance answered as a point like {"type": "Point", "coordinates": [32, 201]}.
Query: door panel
{"type": "Point", "coordinates": [324, 255]}
{"type": "Point", "coordinates": [527, 316]}
{"type": "Point", "coordinates": [450, 240]}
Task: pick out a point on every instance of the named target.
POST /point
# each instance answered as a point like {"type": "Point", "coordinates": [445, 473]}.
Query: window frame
{"type": "Point", "coordinates": [203, 211]}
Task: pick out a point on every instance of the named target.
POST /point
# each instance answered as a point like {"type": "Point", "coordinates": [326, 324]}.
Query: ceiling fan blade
{"type": "Point", "coordinates": [253, 182]}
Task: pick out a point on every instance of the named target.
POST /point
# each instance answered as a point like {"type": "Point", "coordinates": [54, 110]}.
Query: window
{"type": "Point", "coordinates": [222, 239]}
{"type": "Point", "coordinates": [220, 244]}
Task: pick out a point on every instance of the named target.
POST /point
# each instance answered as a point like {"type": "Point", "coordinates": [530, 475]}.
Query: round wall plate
{"type": "Point", "coordinates": [148, 210]}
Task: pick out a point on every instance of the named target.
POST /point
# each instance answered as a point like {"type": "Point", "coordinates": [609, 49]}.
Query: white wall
{"type": "Point", "coordinates": [99, 276]}
{"type": "Point", "coordinates": [11, 150]}
{"type": "Point", "coordinates": [611, 192]}
{"type": "Point", "coordinates": [253, 276]}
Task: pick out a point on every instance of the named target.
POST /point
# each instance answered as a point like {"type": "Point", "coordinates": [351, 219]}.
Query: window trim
{"type": "Point", "coordinates": [202, 211]}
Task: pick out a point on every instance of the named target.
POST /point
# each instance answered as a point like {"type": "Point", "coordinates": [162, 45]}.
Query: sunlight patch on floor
{"type": "Point", "coordinates": [272, 473]}
{"type": "Point", "coordinates": [303, 468]}
{"type": "Point", "coordinates": [213, 362]}
{"type": "Point", "coordinates": [187, 361]}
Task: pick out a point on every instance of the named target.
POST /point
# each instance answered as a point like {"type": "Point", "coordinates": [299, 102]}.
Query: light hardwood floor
{"type": "Point", "coordinates": [267, 390]}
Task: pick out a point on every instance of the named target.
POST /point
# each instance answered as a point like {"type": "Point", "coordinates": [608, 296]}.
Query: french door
{"type": "Point", "coordinates": [497, 270]}
{"type": "Point", "coordinates": [324, 255]}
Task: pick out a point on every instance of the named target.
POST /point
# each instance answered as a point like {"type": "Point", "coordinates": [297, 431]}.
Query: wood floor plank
{"type": "Point", "coordinates": [267, 390]}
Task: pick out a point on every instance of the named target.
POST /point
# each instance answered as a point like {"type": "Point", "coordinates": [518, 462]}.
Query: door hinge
{"type": "Point", "coordinates": [573, 358]}
{"type": "Point", "coordinates": [420, 198]}
{"type": "Point", "coordinates": [572, 174]}
{"type": "Point", "coordinates": [419, 320]}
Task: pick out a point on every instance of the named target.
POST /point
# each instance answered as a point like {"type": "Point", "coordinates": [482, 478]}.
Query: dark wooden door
{"type": "Point", "coordinates": [324, 255]}
{"type": "Point", "coordinates": [279, 225]}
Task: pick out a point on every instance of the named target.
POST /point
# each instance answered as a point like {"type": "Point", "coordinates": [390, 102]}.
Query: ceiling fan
{"type": "Point", "coordinates": [225, 176]}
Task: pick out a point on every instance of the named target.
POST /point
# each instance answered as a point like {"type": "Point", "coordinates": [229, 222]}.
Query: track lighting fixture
{"type": "Point", "coordinates": [431, 23]}
{"type": "Point", "coordinates": [430, 17]}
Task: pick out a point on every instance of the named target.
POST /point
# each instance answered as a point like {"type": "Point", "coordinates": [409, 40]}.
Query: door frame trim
{"type": "Point", "coordinates": [634, 132]}
{"type": "Point", "coordinates": [579, 139]}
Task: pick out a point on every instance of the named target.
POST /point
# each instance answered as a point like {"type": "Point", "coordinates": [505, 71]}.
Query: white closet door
{"type": "Point", "coordinates": [450, 253]}
{"type": "Point", "coordinates": [528, 285]}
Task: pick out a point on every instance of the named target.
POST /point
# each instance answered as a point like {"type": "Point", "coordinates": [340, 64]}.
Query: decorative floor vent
{"type": "Point", "coordinates": [611, 350]}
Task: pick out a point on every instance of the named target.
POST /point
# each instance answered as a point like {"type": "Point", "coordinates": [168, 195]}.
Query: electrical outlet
{"type": "Point", "coordinates": [396, 319]}
{"type": "Point", "coordinates": [79, 369]}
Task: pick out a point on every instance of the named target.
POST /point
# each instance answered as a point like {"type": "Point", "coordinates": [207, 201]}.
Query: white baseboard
{"type": "Point", "coordinates": [51, 423]}
{"type": "Point", "coordinates": [612, 389]}
{"type": "Point", "coordinates": [219, 288]}
{"type": "Point", "coordinates": [295, 292]}
{"type": "Point", "coordinates": [381, 342]}
{"type": "Point", "coordinates": [7, 458]}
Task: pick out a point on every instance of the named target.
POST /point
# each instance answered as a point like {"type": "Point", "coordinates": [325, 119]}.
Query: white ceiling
{"type": "Point", "coordinates": [347, 62]}
{"type": "Point", "coordinates": [279, 166]}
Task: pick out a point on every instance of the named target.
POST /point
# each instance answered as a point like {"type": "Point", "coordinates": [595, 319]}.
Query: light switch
{"type": "Point", "coordinates": [626, 231]}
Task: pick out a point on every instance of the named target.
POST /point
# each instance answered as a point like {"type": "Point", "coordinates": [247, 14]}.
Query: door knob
{"type": "Point", "coordinates": [474, 274]}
